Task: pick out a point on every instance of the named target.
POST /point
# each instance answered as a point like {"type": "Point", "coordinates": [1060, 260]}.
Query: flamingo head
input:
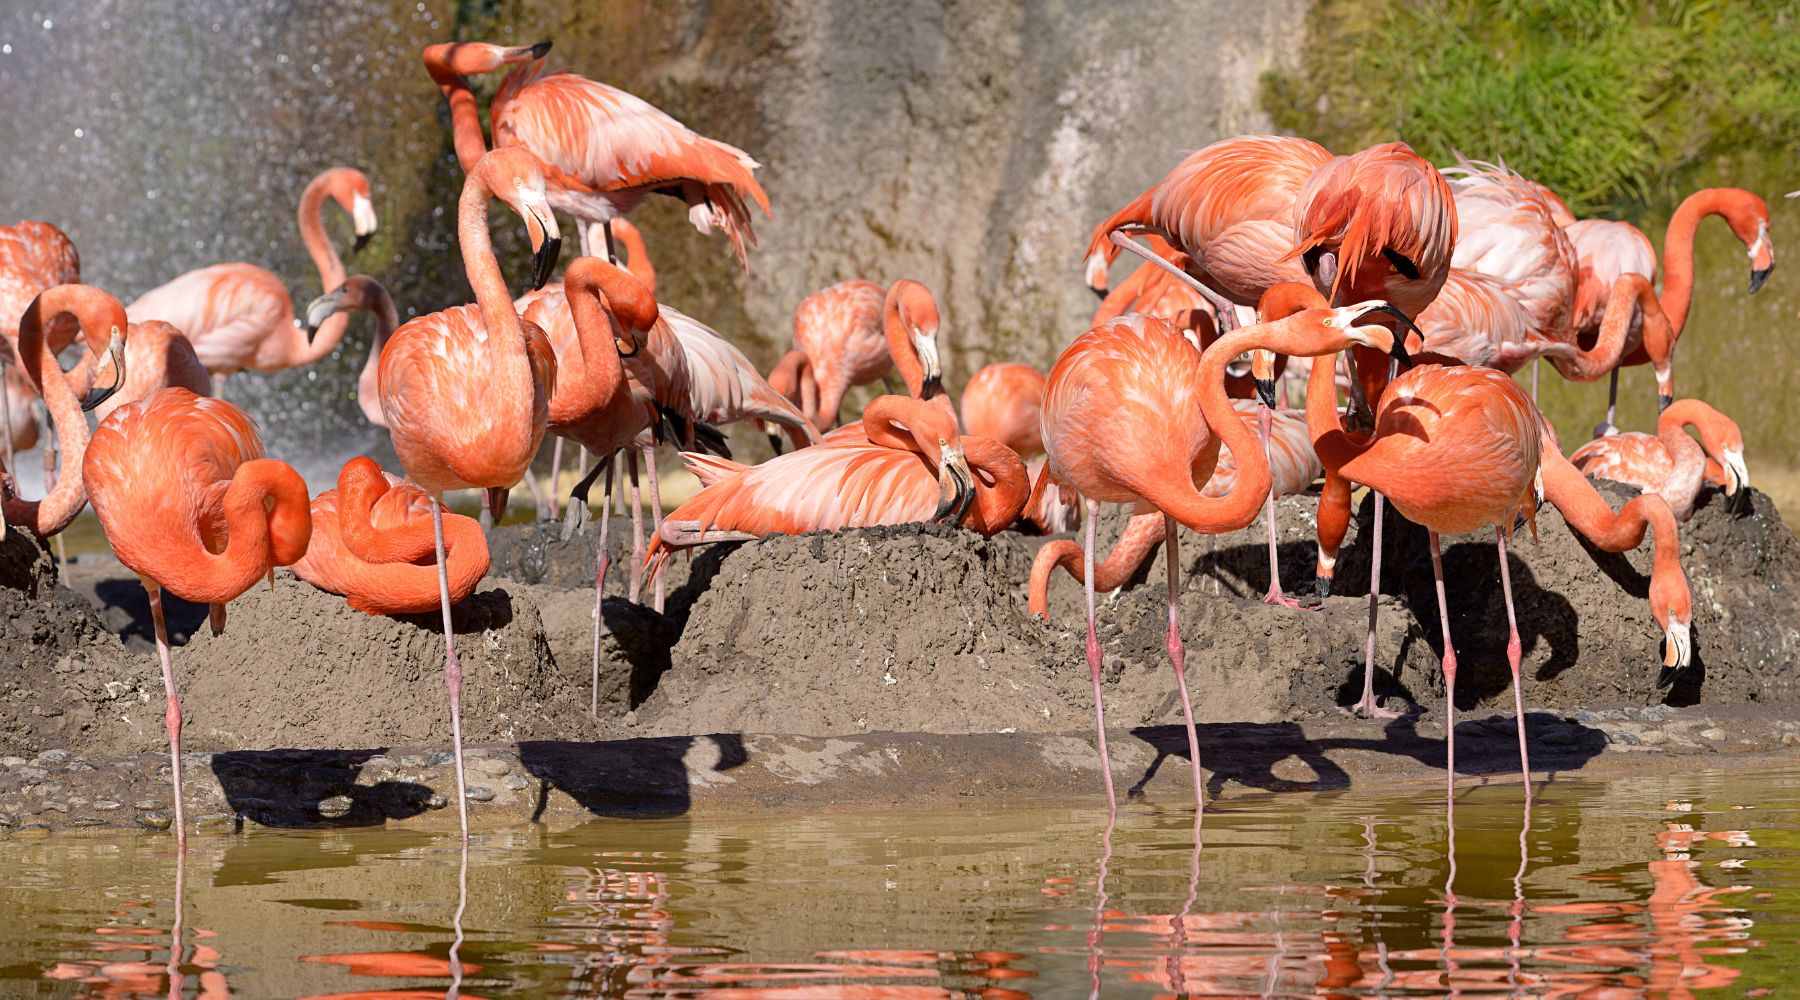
{"type": "Point", "coordinates": [1762, 255]}
{"type": "Point", "coordinates": [1672, 606]}
{"type": "Point", "coordinates": [1377, 336]}
{"type": "Point", "coordinates": [358, 293]}
{"type": "Point", "coordinates": [115, 357]}
{"type": "Point", "coordinates": [913, 315]}
{"type": "Point", "coordinates": [475, 58]}
{"type": "Point", "coordinates": [516, 178]}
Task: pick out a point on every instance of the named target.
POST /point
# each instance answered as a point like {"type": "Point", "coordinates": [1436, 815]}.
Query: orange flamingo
{"type": "Point", "coordinates": [910, 325]}
{"type": "Point", "coordinates": [466, 391]}
{"type": "Point", "coordinates": [1605, 252]}
{"type": "Point", "coordinates": [372, 542]}
{"type": "Point", "coordinates": [1135, 414]}
{"type": "Point", "coordinates": [1669, 463]}
{"type": "Point", "coordinates": [190, 504]}
{"type": "Point", "coordinates": [838, 343]}
{"type": "Point", "coordinates": [34, 256]}
{"type": "Point", "coordinates": [361, 293]}
{"type": "Point", "coordinates": [239, 315]}
{"type": "Point", "coordinates": [1292, 471]}
{"type": "Point", "coordinates": [101, 319]}
{"type": "Point", "coordinates": [1005, 401]}
{"type": "Point", "coordinates": [605, 151]}
{"type": "Point", "coordinates": [913, 466]}
{"type": "Point", "coordinates": [156, 356]}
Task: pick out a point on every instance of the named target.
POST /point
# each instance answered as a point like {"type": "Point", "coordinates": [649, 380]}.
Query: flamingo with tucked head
{"type": "Point", "coordinates": [1671, 464]}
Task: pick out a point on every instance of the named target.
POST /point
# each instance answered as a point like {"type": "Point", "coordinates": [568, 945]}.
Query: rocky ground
{"type": "Point", "coordinates": [808, 648]}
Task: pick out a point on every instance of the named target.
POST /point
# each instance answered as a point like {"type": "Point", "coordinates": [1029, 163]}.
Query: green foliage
{"type": "Point", "coordinates": [1605, 101]}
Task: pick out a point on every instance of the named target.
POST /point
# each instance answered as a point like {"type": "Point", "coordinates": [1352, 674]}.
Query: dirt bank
{"type": "Point", "coordinates": [906, 629]}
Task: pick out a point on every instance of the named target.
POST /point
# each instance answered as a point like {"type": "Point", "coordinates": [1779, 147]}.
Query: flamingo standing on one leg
{"type": "Point", "coordinates": [1669, 463]}
{"type": "Point", "coordinates": [190, 504]}
{"type": "Point", "coordinates": [101, 320]}
{"type": "Point", "coordinates": [1135, 414]}
{"type": "Point", "coordinates": [605, 151]}
{"type": "Point", "coordinates": [33, 256]}
{"type": "Point", "coordinates": [466, 391]}
{"type": "Point", "coordinates": [372, 542]}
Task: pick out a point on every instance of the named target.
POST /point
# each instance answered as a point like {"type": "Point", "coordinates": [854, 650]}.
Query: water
{"type": "Point", "coordinates": [1654, 885]}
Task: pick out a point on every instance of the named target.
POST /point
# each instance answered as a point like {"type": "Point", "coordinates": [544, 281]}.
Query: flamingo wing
{"type": "Point", "coordinates": [1004, 402]}
{"type": "Point", "coordinates": [231, 313]}
{"type": "Point", "coordinates": [1605, 251]}
{"type": "Point", "coordinates": [1633, 458]}
{"type": "Point", "coordinates": [724, 386]}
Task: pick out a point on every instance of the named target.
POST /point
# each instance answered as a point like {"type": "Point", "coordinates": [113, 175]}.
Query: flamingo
{"type": "Point", "coordinates": [156, 356]}
{"type": "Point", "coordinates": [605, 151]}
{"type": "Point", "coordinates": [1605, 252]}
{"type": "Point", "coordinates": [910, 325]}
{"type": "Point", "coordinates": [1292, 471]}
{"type": "Point", "coordinates": [100, 319]}
{"type": "Point", "coordinates": [466, 391]}
{"type": "Point", "coordinates": [190, 504]}
{"type": "Point", "coordinates": [1004, 401]}
{"type": "Point", "coordinates": [361, 293]}
{"type": "Point", "coordinates": [239, 315]}
{"type": "Point", "coordinates": [912, 466]}
{"type": "Point", "coordinates": [1133, 413]}
{"type": "Point", "coordinates": [34, 256]}
{"type": "Point", "coordinates": [1669, 463]}
{"type": "Point", "coordinates": [372, 542]}
{"type": "Point", "coordinates": [839, 343]}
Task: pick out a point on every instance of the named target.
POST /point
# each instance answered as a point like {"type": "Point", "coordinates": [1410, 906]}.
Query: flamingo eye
{"type": "Point", "coordinates": [1401, 262]}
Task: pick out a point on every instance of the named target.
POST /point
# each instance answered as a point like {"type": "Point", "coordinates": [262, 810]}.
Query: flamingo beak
{"type": "Point", "coordinates": [955, 483]}
{"type": "Point", "coordinates": [323, 308]}
{"type": "Point", "coordinates": [1762, 258]}
{"type": "Point", "coordinates": [546, 241]}
{"type": "Point", "coordinates": [1678, 651]}
{"type": "Point", "coordinates": [928, 362]}
{"type": "Point", "coordinates": [362, 218]}
{"type": "Point", "coordinates": [1737, 488]}
{"type": "Point", "coordinates": [115, 353]}
{"type": "Point", "coordinates": [1262, 372]}
{"type": "Point", "coordinates": [526, 53]}
{"type": "Point", "coordinates": [1398, 350]}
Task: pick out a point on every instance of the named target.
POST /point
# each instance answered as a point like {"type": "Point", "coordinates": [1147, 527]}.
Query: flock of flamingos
{"type": "Point", "coordinates": [1430, 286]}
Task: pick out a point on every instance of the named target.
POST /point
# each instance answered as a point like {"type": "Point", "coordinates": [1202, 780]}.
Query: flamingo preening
{"type": "Point", "coordinates": [1671, 464]}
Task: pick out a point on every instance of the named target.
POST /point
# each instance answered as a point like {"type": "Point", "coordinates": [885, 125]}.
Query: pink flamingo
{"type": "Point", "coordinates": [1004, 401]}
{"type": "Point", "coordinates": [1134, 414]}
{"type": "Point", "coordinates": [839, 342]}
{"type": "Point", "coordinates": [1605, 252]}
{"type": "Point", "coordinates": [34, 256]}
{"type": "Point", "coordinates": [1671, 464]}
{"type": "Point", "coordinates": [190, 505]}
{"type": "Point", "coordinates": [466, 390]}
{"type": "Point", "coordinates": [239, 316]}
{"type": "Point", "coordinates": [605, 151]}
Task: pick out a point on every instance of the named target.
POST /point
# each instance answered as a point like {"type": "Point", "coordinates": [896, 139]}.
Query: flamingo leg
{"type": "Point", "coordinates": [538, 500]}
{"type": "Point", "coordinates": [1274, 596]}
{"type": "Point", "coordinates": [6, 418]}
{"type": "Point", "coordinates": [637, 528]}
{"type": "Point", "coordinates": [1612, 406]}
{"type": "Point", "coordinates": [1449, 663]}
{"type": "Point", "coordinates": [452, 667]}
{"type": "Point", "coordinates": [218, 385]}
{"type": "Point", "coordinates": [656, 511]}
{"type": "Point", "coordinates": [172, 713]}
{"type": "Point", "coordinates": [1514, 654]}
{"type": "Point", "coordinates": [1367, 706]}
{"type": "Point", "coordinates": [555, 473]}
{"type": "Point", "coordinates": [601, 555]}
{"type": "Point", "coordinates": [1093, 652]}
{"type": "Point", "coordinates": [1178, 653]}
{"type": "Point", "coordinates": [1536, 363]}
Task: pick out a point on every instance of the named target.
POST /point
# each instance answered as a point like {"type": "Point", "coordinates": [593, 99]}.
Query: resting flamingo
{"type": "Point", "coordinates": [1605, 252]}
{"type": "Point", "coordinates": [372, 542]}
{"type": "Point", "coordinates": [1135, 414]}
{"type": "Point", "coordinates": [1671, 464]}
{"type": "Point", "coordinates": [839, 343]}
{"type": "Point", "coordinates": [913, 466]}
{"type": "Point", "coordinates": [239, 316]}
{"type": "Point", "coordinates": [605, 151]}
{"type": "Point", "coordinates": [466, 391]}
{"type": "Point", "coordinates": [101, 320]}
{"type": "Point", "coordinates": [1004, 401]}
{"type": "Point", "coordinates": [1292, 471]}
{"type": "Point", "coordinates": [190, 505]}
{"type": "Point", "coordinates": [34, 256]}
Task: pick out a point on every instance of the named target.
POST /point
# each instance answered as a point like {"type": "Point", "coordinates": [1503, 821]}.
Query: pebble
{"type": "Point", "coordinates": [53, 757]}
{"type": "Point", "coordinates": [11, 762]}
{"type": "Point", "coordinates": [1625, 736]}
{"type": "Point", "coordinates": [214, 820]}
{"type": "Point", "coordinates": [490, 767]}
{"type": "Point", "coordinates": [337, 805]}
{"type": "Point", "coordinates": [1714, 734]}
{"type": "Point", "coordinates": [436, 801]}
{"type": "Point", "coordinates": [1790, 739]}
{"type": "Point", "coordinates": [33, 773]}
{"type": "Point", "coordinates": [1653, 713]}
{"type": "Point", "coordinates": [79, 766]}
{"type": "Point", "coordinates": [480, 793]}
{"type": "Point", "coordinates": [516, 782]}
{"type": "Point", "coordinates": [413, 761]}
{"type": "Point", "coordinates": [1654, 737]}
{"type": "Point", "coordinates": [474, 753]}
{"type": "Point", "coordinates": [144, 804]}
{"type": "Point", "coordinates": [154, 820]}
{"type": "Point", "coordinates": [61, 807]}
{"type": "Point", "coordinates": [7, 822]}
{"type": "Point", "coordinates": [87, 821]}
{"type": "Point", "coordinates": [35, 826]}
{"type": "Point", "coordinates": [105, 805]}
{"type": "Point", "coordinates": [436, 757]}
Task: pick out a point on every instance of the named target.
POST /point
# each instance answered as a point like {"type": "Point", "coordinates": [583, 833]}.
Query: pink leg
{"type": "Point", "coordinates": [172, 713]}
{"type": "Point", "coordinates": [1093, 654]}
{"type": "Point", "coordinates": [1274, 596]}
{"type": "Point", "coordinates": [6, 416]}
{"type": "Point", "coordinates": [1514, 654]}
{"type": "Point", "coordinates": [452, 669]}
{"type": "Point", "coordinates": [1367, 706]}
{"type": "Point", "coordinates": [1612, 406]}
{"type": "Point", "coordinates": [637, 528]}
{"type": "Point", "coordinates": [555, 474]}
{"type": "Point", "coordinates": [655, 515]}
{"type": "Point", "coordinates": [1536, 364]}
{"type": "Point", "coordinates": [1449, 662]}
{"type": "Point", "coordinates": [601, 555]}
{"type": "Point", "coordinates": [1178, 653]}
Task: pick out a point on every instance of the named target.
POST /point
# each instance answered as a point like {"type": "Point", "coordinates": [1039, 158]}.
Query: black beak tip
{"type": "Point", "coordinates": [1099, 293]}
{"type": "Point", "coordinates": [934, 384]}
{"type": "Point", "coordinates": [540, 49]}
{"type": "Point", "coordinates": [1738, 504]}
{"type": "Point", "coordinates": [775, 443]}
{"type": "Point", "coordinates": [1265, 392]}
{"type": "Point", "coordinates": [1667, 676]}
{"type": "Point", "coordinates": [361, 242]}
{"type": "Point", "coordinates": [1758, 277]}
{"type": "Point", "coordinates": [1663, 402]}
{"type": "Point", "coordinates": [545, 262]}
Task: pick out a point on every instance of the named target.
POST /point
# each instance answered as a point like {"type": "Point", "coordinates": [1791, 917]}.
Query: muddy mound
{"type": "Point", "coordinates": [64, 680]}
{"type": "Point", "coordinates": [535, 553]}
{"type": "Point", "coordinates": [904, 628]}
{"type": "Point", "coordinates": [297, 667]}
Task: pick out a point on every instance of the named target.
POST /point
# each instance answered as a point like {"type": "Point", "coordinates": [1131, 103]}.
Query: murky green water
{"type": "Point", "coordinates": [1657, 886]}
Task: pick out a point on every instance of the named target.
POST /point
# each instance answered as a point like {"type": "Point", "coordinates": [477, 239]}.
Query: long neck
{"type": "Point", "coordinates": [368, 381]}
{"type": "Point", "coordinates": [465, 115]}
{"type": "Point", "coordinates": [637, 255]}
{"type": "Point", "coordinates": [1587, 512]}
{"type": "Point", "coordinates": [505, 335]}
{"type": "Point", "coordinates": [312, 234]}
{"type": "Point", "coordinates": [900, 347]}
{"type": "Point", "coordinates": [995, 507]}
{"type": "Point", "coordinates": [1689, 458]}
{"type": "Point", "coordinates": [268, 521]}
{"type": "Point", "coordinates": [53, 513]}
{"type": "Point", "coordinates": [1334, 445]}
{"type": "Point", "coordinates": [1631, 296]}
{"type": "Point", "coordinates": [595, 329]}
{"type": "Point", "coordinates": [1142, 535]}
{"type": "Point", "coordinates": [1678, 253]}
{"type": "Point", "coordinates": [1237, 508]}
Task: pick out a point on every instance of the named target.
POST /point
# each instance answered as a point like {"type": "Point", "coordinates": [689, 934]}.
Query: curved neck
{"type": "Point", "coordinates": [268, 520]}
{"type": "Point", "coordinates": [1334, 445]}
{"type": "Point", "coordinates": [368, 381]}
{"type": "Point", "coordinates": [1587, 512]}
{"type": "Point", "coordinates": [465, 114]}
{"type": "Point", "coordinates": [1143, 533]}
{"type": "Point", "coordinates": [637, 255]}
{"type": "Point", "coordinates": [995, 507]}
{"type": "Point", "coordinates": [591, 292]}
{"type": "Point", "coordinates": [505, 335]}
{"type": "Point", "coordinates": [1631, 296]}
{"type": "Point", "coordinates": [1678, 252]}
{"type": "Point", "coordinates": [97, 312]}
{"type": "Point", "coordinates": [897, 325]}
{"type": "Point", "coordinates": [312, 233]}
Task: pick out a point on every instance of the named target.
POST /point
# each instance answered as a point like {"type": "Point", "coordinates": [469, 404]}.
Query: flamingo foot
{"type": "Point", "coordinates": [1277, 597]}
{"type": "Point", "coordinates": [1369, 708]}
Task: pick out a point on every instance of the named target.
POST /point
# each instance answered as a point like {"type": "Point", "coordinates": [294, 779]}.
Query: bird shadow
{"type": "Point", "coordinates": [125, 608]}
{"type": "Point", "coordinates": [296, 789]}
{"type": "Point", "coordinates": [641, 778]}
